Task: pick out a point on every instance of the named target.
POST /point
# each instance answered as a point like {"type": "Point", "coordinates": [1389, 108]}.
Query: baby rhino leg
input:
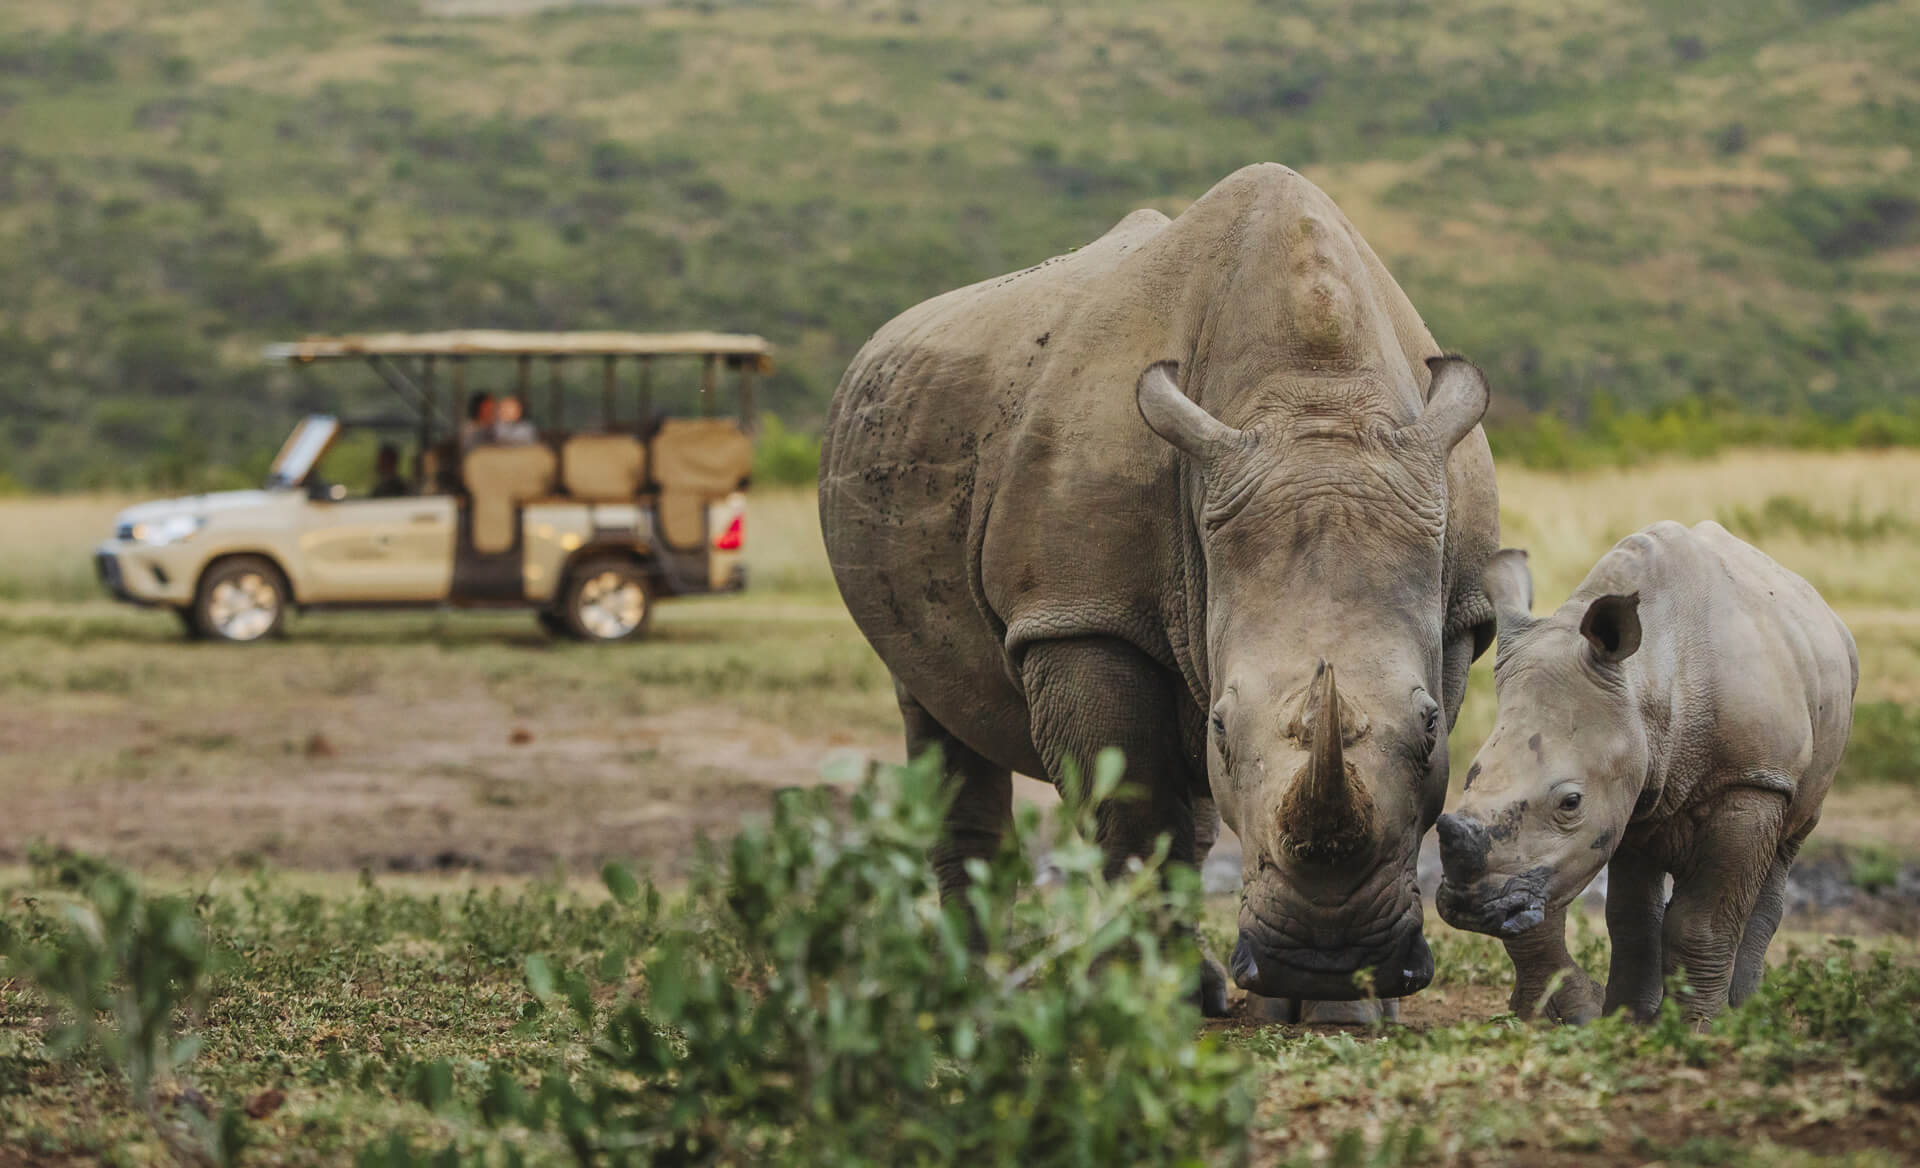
{"type": "Point", "coordinates": [1735, 846]}
{"type": "Point", "coordinates": [1540, 956]}
{"type": "Point", "coordinates": [1636, 908]}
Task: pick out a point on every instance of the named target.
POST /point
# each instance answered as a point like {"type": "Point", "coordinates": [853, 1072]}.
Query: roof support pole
{"type": "Point", "coordinates": [426, 412]}
{"type": "Point", "coordinates": [746, 396]}
{"type": "Point", "coordinates": [553, 390]}
{"type": "Point", "coordinates": [525, 384]}
{"type": "Point", "coordinates": [709, 377]}
{"type": "Point", "coordinates": [606, 392]}
{"type": "Point", "coordinates": [646, 394]}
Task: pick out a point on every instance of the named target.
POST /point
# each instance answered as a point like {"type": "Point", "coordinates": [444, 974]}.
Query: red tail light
{"type": "Point", "coordinates": [735, 535]}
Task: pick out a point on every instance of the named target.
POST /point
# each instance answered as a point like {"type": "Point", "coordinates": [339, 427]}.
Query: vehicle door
{"type": "Point", "coordinates": [378, 551]}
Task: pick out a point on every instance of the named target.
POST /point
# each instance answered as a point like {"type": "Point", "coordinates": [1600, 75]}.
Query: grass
{"type": "Point", "coordinates": [335, 1016]}
{"type": "Point", "coordinates": [1652, 224]}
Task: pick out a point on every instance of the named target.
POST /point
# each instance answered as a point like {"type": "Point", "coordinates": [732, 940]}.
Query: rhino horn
{"type": "Point", "coordinates": [1326, 819]}
{"type": "Point", "coordinates": [1179, 419]}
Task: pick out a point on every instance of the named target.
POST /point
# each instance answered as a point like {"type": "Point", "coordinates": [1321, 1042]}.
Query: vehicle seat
{"type": "Point", "coordinates": [603, 468]}
{"type": "Point", "coordinates": [696, 461]}
{"type": "Point", "coordinates": [500, 479]}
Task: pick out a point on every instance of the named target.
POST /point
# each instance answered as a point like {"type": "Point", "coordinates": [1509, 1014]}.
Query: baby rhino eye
{"type": "Point", "coordinates": [1570, 801]}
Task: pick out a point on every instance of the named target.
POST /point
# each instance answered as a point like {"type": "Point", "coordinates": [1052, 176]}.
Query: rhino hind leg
{"type": "Point", "coordinates": [1088, 693]}
{"type": "Point", "coordinates": [1751, 962]}
{"type": "Point", "coordinates": [1713, 901]}
{"type": "Point", "coordinates": [982, 808]}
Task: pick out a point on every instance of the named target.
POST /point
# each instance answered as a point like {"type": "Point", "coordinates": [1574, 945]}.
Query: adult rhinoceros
{"type": "Point", "coordinates": [1054, 552]}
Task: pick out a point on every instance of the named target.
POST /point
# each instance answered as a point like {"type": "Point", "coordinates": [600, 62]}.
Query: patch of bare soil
{"type": "Point", "coordinates": [459, 784]}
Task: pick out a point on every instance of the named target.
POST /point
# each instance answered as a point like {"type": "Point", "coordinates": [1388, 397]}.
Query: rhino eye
{"type": "Point", "coordinates": [1219, 721]}
{"type": "Point", "coordinates": [1570, 802]}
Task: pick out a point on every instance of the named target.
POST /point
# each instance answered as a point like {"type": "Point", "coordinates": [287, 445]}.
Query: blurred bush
{"type": "Point", "coordinates": [814, 1004]}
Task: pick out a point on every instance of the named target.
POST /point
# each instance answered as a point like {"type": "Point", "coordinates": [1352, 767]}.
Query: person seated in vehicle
{"type": "Point", "coordinates": [478, 427]}
{"type": "Point", "coordinates": [387, 482]}
{"type": "Point", "coordinates": [512, 428]}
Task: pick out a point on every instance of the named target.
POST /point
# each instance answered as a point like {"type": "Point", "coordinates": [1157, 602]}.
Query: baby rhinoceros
{"type": "Point", "coordinates": [1683, 714]}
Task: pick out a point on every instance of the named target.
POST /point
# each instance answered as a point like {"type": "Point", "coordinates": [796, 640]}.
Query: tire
{"type": "Point", "coordinates": [189, 623]}
{"type": "Point", "coordinates": [240, 601]}
{"type": "Point", "coordinates": [552, 622]}
{"type": "Point", "coordinates": [607, 600]}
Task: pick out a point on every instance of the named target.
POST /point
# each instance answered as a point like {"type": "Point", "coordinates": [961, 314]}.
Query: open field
{"type": "Point", "coordinates": [1639, 202]}
{"type": "Point", "coordinates": [451, 757]}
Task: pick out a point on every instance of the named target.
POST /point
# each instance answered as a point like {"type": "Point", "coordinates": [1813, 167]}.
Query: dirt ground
{"type": "Point", "coordinates": [470, 744]}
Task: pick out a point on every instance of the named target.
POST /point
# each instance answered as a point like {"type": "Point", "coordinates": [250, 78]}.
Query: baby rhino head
{"type": "Point", "coordinates": [1550, 793]}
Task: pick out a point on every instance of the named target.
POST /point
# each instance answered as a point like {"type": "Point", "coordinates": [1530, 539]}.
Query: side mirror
{"type": "Point", "coordinates": [321, 491]}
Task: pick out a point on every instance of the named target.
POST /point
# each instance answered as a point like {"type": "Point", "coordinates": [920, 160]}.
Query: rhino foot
{"type": "Point", "coordinates": [1213, 988]}
{"type": "Point", "coordinates": [1576, 1002]}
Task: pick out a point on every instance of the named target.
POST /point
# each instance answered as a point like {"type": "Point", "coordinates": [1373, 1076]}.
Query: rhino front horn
{"type": "Point", "coordinates": [1327, 820]}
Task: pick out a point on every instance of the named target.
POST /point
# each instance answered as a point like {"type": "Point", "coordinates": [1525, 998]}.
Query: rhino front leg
{"type": "Point", "coordinates": [1716, 895]}
{"type": "Point", "coordinates": [1636, 905]}
{"type": "Point", "coordinates": [1086, 694]}
{"type": "Point", "coordinates": [1538, 955]}
{"type": "Point", "coordinates": [982, 797]}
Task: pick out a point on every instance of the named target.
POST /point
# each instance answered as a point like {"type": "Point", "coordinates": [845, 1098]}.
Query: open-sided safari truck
{"type": "Point", "coordinates": [587, 526]}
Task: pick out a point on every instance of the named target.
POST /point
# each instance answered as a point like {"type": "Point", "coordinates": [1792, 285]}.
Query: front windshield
{"type": "Point", "coordinates": [302, 449]}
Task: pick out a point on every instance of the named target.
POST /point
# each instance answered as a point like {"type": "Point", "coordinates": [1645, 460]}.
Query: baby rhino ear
{"type": "Point", "coordinates": [1612, 627]}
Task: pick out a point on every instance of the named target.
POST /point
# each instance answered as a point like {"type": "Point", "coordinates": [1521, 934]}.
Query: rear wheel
{"type": "Point", "coordinates": [607, 600]}
{"type": "Point", "coordinates": [240, 600]}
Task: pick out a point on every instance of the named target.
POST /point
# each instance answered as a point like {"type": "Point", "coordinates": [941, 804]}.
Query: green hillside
{"type": "Point", "coordinates": [1612, 204]}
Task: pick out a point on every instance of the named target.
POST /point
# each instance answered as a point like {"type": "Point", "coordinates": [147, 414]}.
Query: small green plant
{"type": "Point", "coordinates": [815, 1004]}
{"type": "Point", "coordinates": [124, 971]}
{"type": "Point", "coordinates": [1873, 869]}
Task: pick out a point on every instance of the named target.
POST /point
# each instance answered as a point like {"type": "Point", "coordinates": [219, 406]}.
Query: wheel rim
{"type": "Point", "coordinates": [243, 607]}
{"type": "Point", "coordinates": [611, 605]}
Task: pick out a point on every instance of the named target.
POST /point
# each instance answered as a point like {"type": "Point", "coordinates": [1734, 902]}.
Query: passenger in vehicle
{"type": "Point", "coordinates": [513, 429]}
{"type": "Point", "coordinates": [387, 483]}
{"type": "Point", "coordinates": [478, 427]}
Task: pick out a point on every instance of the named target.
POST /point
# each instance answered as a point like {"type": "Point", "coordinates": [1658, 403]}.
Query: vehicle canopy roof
{"type": "Point", "coordinates": [501, 343]}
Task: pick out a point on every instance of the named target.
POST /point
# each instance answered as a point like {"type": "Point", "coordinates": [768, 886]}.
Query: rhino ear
{"type": "Point", "coordinates": [1612, 627]}
{"type": "Point", "coordinates": [1178, 418]}
{"type": "Point", "coordinates": [1456, 401]}
{"type": "Point", "coordinates": [1509, 585]}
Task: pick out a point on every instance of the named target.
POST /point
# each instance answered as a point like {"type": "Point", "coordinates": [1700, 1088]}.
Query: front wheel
{"type": "Point", "coordinates": [607, 600]}
{"type": "Point", "coordinates": [240, 600]}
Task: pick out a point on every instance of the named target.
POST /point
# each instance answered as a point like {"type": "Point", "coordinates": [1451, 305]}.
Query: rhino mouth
{"type": "Point", "coordinates": [1265, 963]}
{"type": "Point", "coordinates": [1503, 909]}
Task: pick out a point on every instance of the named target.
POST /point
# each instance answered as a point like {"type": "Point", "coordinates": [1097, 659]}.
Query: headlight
{"type": "Point", "coordinates": [172, 529]}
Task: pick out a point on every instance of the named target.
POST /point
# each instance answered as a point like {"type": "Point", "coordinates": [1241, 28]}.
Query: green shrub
{"type": "Point", "coordinates": [1782, 514]}
{"type": "Point", "coordinates": [814, 1004]}
{"type": "Point", "coordinates": [784, 457]}
{"type": "Point", "coordinates": [1884, 746]}
{"type": "Point", "coordinates": [1811, 1008]}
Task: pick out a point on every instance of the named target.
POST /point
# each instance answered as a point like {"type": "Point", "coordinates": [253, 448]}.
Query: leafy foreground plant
{"type": "Point", "coordinates": [814, 1004]}
{"type": "Point", "coordinates": [141, 961]}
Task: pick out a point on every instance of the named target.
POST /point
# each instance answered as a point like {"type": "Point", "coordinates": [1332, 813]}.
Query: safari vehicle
{"type": "Point", "coordinates": [588, 527]}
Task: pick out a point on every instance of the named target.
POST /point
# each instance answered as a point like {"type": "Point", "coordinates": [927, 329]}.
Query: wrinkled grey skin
{"type": "Point", "coordinates": [1158, 493]}
{"type": "Point", "coordinates": [1683, 714]}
